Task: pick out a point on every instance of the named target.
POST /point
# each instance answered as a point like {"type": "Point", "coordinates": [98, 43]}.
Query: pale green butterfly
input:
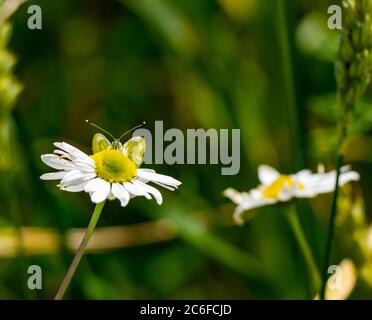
{"type": "Point", "coordinates": [134, 148]}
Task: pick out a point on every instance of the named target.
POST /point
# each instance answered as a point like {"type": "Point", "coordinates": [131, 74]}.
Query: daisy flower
{"type": "Point", "coordinates": [112, 172]}
{"type": "Point", "coordinates": [275, 187]}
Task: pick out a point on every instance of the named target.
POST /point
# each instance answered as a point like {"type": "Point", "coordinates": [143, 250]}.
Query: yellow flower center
{"type": "Point", "coordinates": [114, 166]}
{"type": "Point", "coordinates": [273, 190]}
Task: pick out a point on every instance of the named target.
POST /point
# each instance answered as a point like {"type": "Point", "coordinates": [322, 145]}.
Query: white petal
{"type": "Point", "coordinates": [160, 184]}
{"type": "Point", "coordinates": [151, 190]}
{"type": "Point", "coordinates": [102, 193]}
{"type": "Point", "coordinates": [83, 166]}
{"type": "Point", "coordinates": [94, 185]}
{"type": "Point", "coordinates": [155, 182]}
{"type": "Point", "coordinates": [62, 154]}
{"type": "Point", "coordinates": [238, 215]}
{"type": "Point", "coordinates": [76, 177]}
{"type": "Point", "coordinates": [233, 195]}
{"type": "Point", "coordinates": [306, 192]}
{"type": "Point", "coordinates": [121, 193]}
{"type": "Point", "coordinates": [348, 177]}
{"type": "Point", "coordinates": [302, 175]}
{"type": "Point", "coordinates": [76, 188]}
{"type": "Point", "coordinates": [53, 175]}
{"type": "Point", "coordinates": [73, 152]}
{"type": "Point", "coordinates": [346, 168]}
{"type": "Point", "coordinates": [267, 174]}
{"type": "Point", "coordinates": [147, 169]}
{"type": "Point", "coordinates": [245, 200]}
{"type": "Point", "coordinates": [248, 202]}
{"type": "Point", "coordinates": [136, 190]}
{"type": "Point", "coordinates": [326, 182]}
{"type": "Point", "coordinates": [285, 194]}
{"type": "Point", "coordinates": [66, 147]}
{"type": "Point", "coordinates": [261, 202]}
{"type": "Point", "coordinates": [56, 162]}
{"type": "Point", "coordinates": [156, 177]}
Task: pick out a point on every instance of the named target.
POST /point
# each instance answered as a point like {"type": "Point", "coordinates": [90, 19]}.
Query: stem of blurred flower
{"type": "Point", "coordinates": [80, 252]}
{"type": "Point", "coordinates": [294, 221]}
{"type": "Point", "coordinates": [332, 218]}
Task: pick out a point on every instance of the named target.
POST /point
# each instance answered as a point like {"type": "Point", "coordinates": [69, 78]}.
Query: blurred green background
{"type": "Point", "coordinates": [265, 67]}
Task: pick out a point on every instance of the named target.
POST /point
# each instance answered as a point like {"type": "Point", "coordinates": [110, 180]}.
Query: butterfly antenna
{"type": "Point", "coordinates": [129, 131]}
{"type": "Point", "coordinates": [99, 128]}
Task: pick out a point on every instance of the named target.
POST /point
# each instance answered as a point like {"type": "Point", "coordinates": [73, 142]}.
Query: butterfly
{"type": "Point", "coordinates": [134, 148]}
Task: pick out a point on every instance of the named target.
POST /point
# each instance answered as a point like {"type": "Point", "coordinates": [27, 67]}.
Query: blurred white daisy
{"type": "Point", "coordinates": [112, 172]}
{"type": "Point", "coordinates": [275, 187]}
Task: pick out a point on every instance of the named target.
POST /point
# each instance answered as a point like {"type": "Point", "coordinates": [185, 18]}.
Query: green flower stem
{"type": "Point", "coordinates": [80, 252]}
{"type": "Point", "coordinates": [293, 220]}
{"type": "Point", "coordinates": [332, 220]}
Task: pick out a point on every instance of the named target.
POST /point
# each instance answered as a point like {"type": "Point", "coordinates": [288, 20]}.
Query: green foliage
{"type": "Point", "coordinates": [209, 64]}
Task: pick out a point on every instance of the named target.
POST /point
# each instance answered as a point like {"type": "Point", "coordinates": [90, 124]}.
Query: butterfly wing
{"type": "Point", "coordinates": [100, 143]}
{"type": "Point", "coordinates": [134, 149]}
